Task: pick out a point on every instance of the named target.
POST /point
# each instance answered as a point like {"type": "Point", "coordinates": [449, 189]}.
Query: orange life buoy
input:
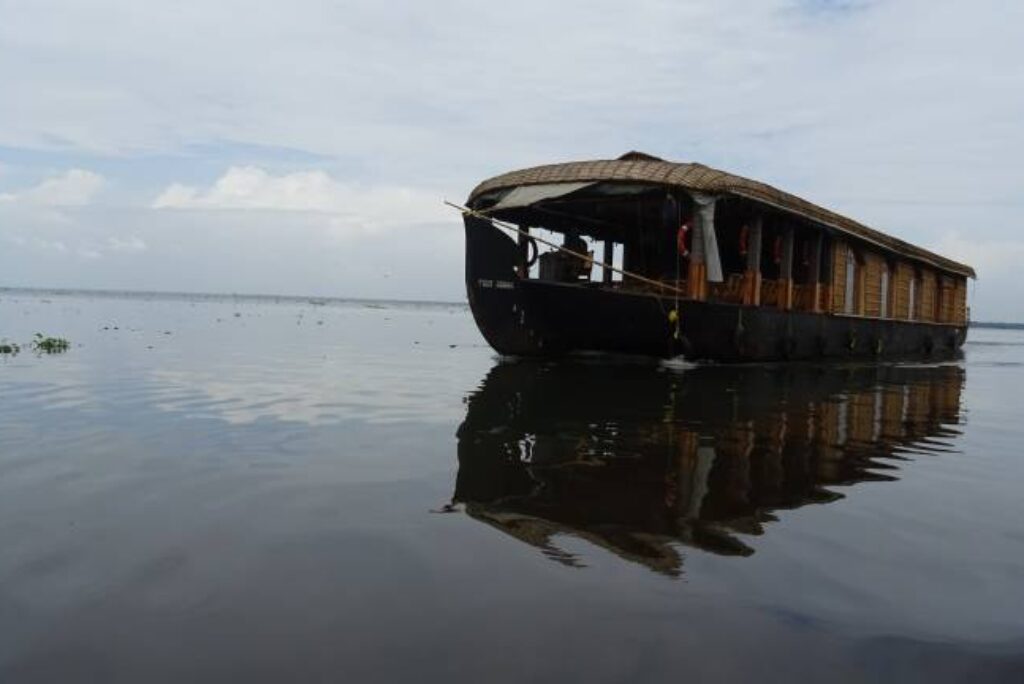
{"type": "Point", "coordinates": [744, 236]}
{"type": "Point", "coordinates": [681, 235]}
{"type": "Point", "coordinates": [777, 250]}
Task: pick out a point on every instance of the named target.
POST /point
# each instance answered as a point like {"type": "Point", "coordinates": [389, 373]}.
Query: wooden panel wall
{"type": "Point", "coordinates": [945, 299]}
{"type": "Point", "coordinates": [838, 276]}
{"type": "Point", "coordinates": [902, 275]}
{"type": "Point", "coordinates": [927, 295]}
{"type": "Point", "coordinates": [803, 297]}
{"type": "Point", "coordinates": [871, 282]}
{"type": "Point", "coordinates": [960, 301]}
{"type": "Point", "coordinates": [941, 299]}
{"type": "Point", "coordinates": [948, 301]}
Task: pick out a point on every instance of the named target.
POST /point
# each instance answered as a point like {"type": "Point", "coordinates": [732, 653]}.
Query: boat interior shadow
{"type": "Point", "coordinates": [643, 460]}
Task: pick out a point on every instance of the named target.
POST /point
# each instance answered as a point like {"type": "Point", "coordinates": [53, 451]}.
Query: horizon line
{"type": "Point", "coordinates": [235, 295]}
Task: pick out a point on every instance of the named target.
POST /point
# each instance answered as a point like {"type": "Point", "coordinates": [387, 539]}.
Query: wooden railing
{"type": "Point", "coordinates": [803, 297]}
{"type": "Point", "coordinates": [731, 290]}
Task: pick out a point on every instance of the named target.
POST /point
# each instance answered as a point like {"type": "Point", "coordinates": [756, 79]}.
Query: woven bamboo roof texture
{"type": "Point", "coordinates": [637, 167]}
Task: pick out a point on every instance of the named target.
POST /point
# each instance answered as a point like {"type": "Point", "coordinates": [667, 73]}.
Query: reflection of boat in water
{"type": "Point", "coordinates": [637, 459]}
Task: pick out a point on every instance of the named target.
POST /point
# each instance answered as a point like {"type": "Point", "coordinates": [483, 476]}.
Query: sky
{"type": "Point", "coordinates": [306, 147]}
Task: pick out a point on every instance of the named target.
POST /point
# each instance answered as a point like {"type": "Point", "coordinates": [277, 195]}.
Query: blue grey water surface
{"type": "Point", "coordinates": [210, 489]}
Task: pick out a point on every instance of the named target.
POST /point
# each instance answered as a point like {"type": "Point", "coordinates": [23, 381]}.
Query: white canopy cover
{"type": "Point", "coordinates": [525, 195]}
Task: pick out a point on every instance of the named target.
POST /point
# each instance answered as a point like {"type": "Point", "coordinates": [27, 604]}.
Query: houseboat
{"type": "Point", "coordinates": [639, 255]}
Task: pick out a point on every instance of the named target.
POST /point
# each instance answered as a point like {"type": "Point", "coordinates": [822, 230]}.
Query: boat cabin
{"type": "Point", "coordinates": [689, 233]}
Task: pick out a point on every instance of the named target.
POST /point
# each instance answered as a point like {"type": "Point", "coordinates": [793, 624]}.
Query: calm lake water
{"type": "Point", "coordinates": [213, 489]}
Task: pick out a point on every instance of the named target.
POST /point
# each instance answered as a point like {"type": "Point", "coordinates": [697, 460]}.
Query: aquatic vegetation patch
{"type": "Point", "coordinates": [43, 344]}
{"type": "Point", "coordinates": [40, 344]}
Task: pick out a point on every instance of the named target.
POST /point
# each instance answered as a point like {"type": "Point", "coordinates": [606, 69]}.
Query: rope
{"type": "Point", "coordinates": [679, 219]}
{"type": "Point", "coordinates": [586, 257]}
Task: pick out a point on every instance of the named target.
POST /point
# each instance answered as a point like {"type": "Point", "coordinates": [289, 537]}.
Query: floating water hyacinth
{"type": "Point", "coordinates": [49, 345]}
{"type": "Point", "coordinates": [9, 348]}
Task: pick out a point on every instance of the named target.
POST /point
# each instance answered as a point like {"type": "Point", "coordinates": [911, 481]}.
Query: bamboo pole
{"type": "Point", "coordinates": [585, 257]}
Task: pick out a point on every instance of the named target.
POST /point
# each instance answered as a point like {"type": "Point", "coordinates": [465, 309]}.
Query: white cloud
{"type": "Point", "coordinates": [235, 251]}
{"type": "Point", "coordinates": [415, 89]}
{"type": "Point", "coordinates": [41, 240]}
{"type": "Point", "coordinates": [53, 219]}
{"type": "Point", "coordinates": [354, 209]}
{"type": "Point", "coordinates": [836, 101]}
{"type": "Point", "coordinates": [250, 187]}
{"type": "Point", "coordinates": [76, 187]}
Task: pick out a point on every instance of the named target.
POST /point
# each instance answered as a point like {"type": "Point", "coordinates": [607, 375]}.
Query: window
{"type": "Point", "coordinates": [883, 294]}
{"type": "Point", "coordinates": [912, 299]}
{"type": "Point", "coordinates": [851, 282]}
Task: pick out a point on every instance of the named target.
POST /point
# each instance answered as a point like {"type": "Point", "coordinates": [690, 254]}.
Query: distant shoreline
{"type": "Point", "coordinates": [998, 325]}
{"type": "Point", "coordinates": [310, 299]}
{"type": "Point", "coordinates": [212, 296]}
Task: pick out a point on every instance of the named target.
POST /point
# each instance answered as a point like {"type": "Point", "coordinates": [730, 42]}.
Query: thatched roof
{"type": "Point", "coordinates": [637, 167]}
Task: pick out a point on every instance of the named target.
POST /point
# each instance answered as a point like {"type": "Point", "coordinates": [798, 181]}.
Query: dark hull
{"type": "Point", "coordinates": [541, 318]}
